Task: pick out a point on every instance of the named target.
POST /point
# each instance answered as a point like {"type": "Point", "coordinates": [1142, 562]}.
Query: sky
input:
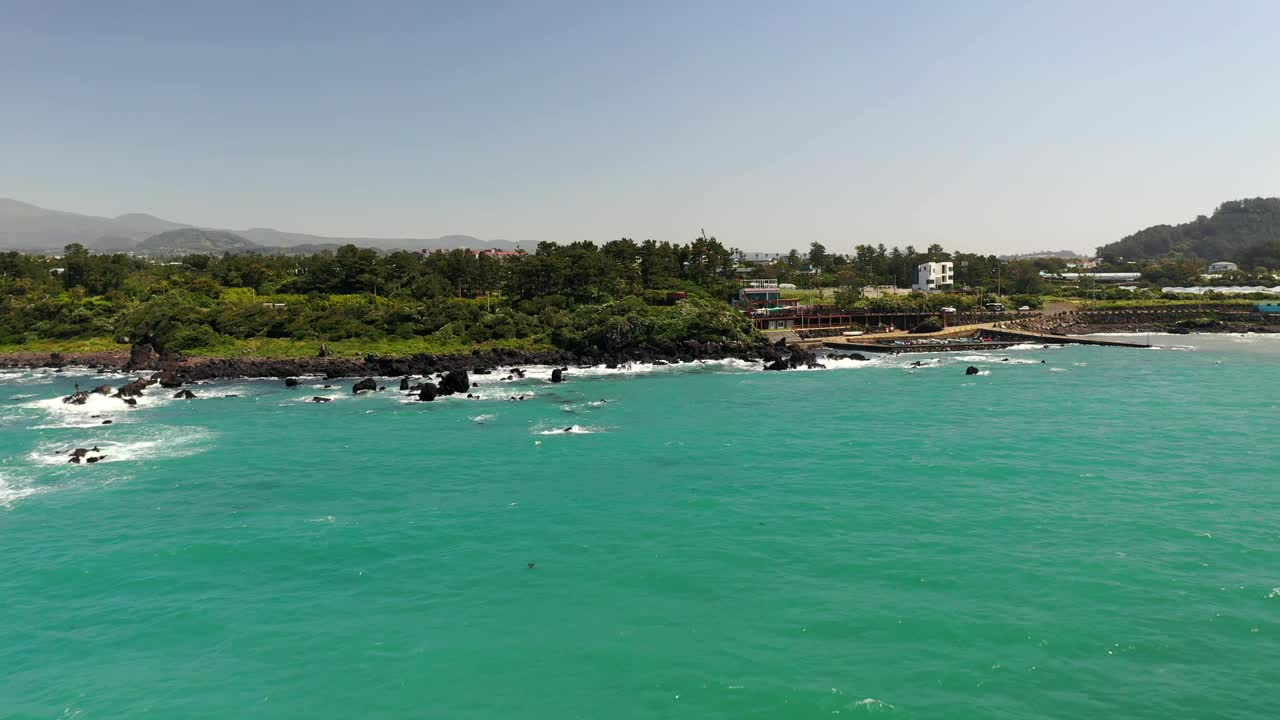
{"type": "Point", "coordinates": [983, 126]}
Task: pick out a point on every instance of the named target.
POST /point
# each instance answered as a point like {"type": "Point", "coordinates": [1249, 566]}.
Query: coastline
{"type": "Point", "coordinates": [774, 355]}
{"type": "Point", "coordinates": [143, 358]}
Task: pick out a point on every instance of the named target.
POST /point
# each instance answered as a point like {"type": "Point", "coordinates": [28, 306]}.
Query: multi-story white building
{"type": "Point", "coordinates": [933, 277]}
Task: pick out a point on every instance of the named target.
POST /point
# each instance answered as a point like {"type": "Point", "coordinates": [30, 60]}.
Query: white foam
{"type": "Point", "coordinates": [169, 442]}
{"type": "Point", "coordinates": [68, 415]}
{"type": "Point", "coordinates": [482, 419]}
{"type": "Point", "coordinates": [329, 395]}
{"type": "Point", "coordinates": [571, 430]}
{"type": "Point", "coordinates": [12, 491]}
{"type": "Point", "coordinates": [838, 362]}
{"type": "Point", "coordinates": [1057, 369]}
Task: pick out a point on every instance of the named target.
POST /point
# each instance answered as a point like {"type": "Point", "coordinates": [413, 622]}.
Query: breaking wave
{"type": "Point", "coordinates": [166, 443]}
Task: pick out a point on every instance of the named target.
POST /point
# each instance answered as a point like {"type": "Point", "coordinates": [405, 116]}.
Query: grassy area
{"type": "Point", "coordinates": [816, 295]}
{"type": "Point", "coordinates": [101, 344]}
{"type": "Point", "coordinates": [286, 348]}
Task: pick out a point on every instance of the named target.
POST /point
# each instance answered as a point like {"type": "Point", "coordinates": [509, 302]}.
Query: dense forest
{"type": "Point", "coordinates": [1246, 232]}
{"type": "Point", "coordinates": [576, 297]}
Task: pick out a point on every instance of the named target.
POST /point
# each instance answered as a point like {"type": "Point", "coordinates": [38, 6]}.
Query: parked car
{"type": "Point", "coordinates": [948, 309]}
{"type": "Point", "coordinates": [1023, 308]}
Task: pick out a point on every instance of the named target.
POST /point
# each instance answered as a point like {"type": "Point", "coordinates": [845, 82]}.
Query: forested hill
{"type": "Point", "coordinates": [187, 241]}
{"type": "Point", "coordinates": [1246, 232]}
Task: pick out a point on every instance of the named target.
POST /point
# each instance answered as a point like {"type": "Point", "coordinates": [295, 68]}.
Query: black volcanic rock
{"type": "Point", "coordinates": [455, 381]}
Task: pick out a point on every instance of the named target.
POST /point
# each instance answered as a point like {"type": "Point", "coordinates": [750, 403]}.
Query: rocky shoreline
{"type": "Point", "coordinates": [191, 369]}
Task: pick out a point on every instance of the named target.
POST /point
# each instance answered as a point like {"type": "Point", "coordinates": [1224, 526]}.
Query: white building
{"type": "Point", "coordinates": [1223, 267]}
{"type": "Point", "coordinates": [933, 276]}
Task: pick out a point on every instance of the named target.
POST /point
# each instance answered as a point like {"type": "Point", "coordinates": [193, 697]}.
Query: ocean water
{"type": "Point", "coordinates": [1095, 535]}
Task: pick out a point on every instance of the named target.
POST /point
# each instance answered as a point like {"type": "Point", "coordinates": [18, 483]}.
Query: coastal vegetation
{"type": "Point", "coordinates": [578, 298]}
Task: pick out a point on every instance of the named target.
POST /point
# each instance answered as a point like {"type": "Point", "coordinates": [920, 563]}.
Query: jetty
{"type": "Point", "coordinates": [965, 339]}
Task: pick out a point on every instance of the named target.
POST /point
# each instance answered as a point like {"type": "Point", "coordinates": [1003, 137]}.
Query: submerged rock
{"type": "Point", "coordinates": [184, 395]}
{"type": "Point", "coordinates": [971, 370]}
{"type": "Point", "coordinates": [133, 389]}
{"type": "Point", "coordinates": [85, 455]}
{"type": "Point", "coordinates": [79, 397]}
{"type": "Point", "coordinates": [318, 399]}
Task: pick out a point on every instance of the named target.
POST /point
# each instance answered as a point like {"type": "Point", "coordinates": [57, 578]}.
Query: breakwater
{"type": "Point", "coordinates": [1180, 319]}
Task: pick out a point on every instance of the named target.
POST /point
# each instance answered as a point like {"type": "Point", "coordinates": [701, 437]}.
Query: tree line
{"type": "Point", "coordinates": [576, 296]}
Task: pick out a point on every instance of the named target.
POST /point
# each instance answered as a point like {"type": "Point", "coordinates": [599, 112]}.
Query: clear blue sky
{"type": "Point", "coordinates": [996, 126]}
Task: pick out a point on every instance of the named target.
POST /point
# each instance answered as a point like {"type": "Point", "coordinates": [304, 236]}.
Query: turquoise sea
{"type": "Point", "coordinates": [1094, 536]}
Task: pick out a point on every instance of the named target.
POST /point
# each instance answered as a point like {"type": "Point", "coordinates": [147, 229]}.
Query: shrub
{"type": "Point", "coordinates": [932, 324]}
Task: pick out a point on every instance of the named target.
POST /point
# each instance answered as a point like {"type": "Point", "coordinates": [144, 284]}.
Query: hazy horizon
{"type": "Point", "coordinates": [990, 126]}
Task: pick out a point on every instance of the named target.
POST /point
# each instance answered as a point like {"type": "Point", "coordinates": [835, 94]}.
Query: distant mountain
{"type": "Point", "coordinates": [1246, 232]}
{"type": "Point", "coordinates": [280, 239]}
{"type": "Point", "coordinates": [27, 227]}
{"type": "Point", "coordinates": [190, 241]}
{"type": "Point", "coordinates": [112, 244]}
{"type": "Point", "coordinates": [30, 228]}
